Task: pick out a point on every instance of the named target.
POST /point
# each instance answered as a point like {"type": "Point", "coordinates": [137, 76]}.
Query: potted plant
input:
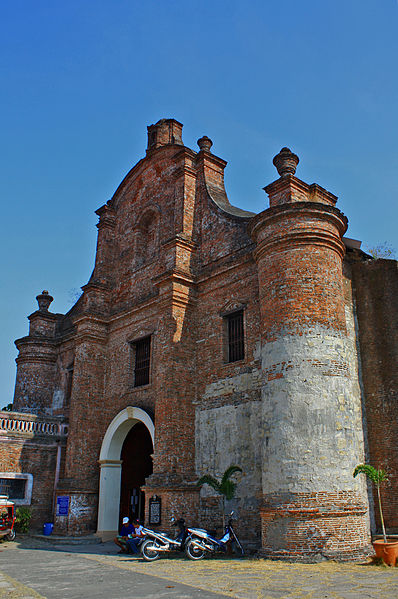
{"type": "Point", "coordinates": [384, 548]}
{"type": "Point", "coordinates": [224, 487]}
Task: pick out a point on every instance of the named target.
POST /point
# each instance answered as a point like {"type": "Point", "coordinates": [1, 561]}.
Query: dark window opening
{"type": "Point", "coordinates": [13, 487]}
{"type": "Point", "coordinates": [142, 361]}
{"type": "Point", "coordinates": [236, 346]}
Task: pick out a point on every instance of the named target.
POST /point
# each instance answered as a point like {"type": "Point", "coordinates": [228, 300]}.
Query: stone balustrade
{"type": "Point", "coordinates": [31, 424]}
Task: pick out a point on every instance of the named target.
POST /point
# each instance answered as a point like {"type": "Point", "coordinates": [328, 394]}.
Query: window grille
{"type": "Point", "coordinates": [236, 346]}
{"type": "Point", "coordinates": [142, 361]}
{"type": "Point", "coordinates": [13, 487]}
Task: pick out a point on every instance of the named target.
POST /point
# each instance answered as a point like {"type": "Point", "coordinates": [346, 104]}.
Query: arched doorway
{"type": "Point", "coordinates": [136, 457]}
{"type": "Point", "coordinates": [111, 466]}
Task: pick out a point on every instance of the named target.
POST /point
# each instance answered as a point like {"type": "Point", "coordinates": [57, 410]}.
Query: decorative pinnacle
{"type": "Point", "coordinates": [44, 299]}
{"type": "Point", "coordinates": [286, 162]}
{"type": "Point", "coordinates": [205, 143]}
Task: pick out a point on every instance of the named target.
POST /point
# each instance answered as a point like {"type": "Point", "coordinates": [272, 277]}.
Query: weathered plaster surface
{"type": "Point", "coordinates": [311, 412]}
{"type": "Point", "coordinates": [231, 435]}
{"type": "Point", "coordinates": [240, 383]}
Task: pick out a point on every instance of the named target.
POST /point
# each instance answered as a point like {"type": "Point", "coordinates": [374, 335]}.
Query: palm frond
{"type": "Point", "coordinates": [377, 476]}
{"type": "Point", "coordinates": [206, 479]}
{"type": "Point", "coordinates": [228, 489]}
{"type": "Point", "coordinates": [229, 472]}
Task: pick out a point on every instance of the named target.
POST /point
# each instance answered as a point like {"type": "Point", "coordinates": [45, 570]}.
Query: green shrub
{"type": "Point", "coordinates": [23, 517]}
{"type": "Point", "coordinates": [377, 477]}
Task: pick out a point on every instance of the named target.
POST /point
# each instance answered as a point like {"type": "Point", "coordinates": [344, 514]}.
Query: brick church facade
{"type": "Point", "coordinates": [209, 336]}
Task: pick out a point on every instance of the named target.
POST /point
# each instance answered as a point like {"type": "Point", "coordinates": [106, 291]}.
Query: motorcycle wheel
{"type": "Point", "coordinates": [11, 535]}
{"type": "Point", "coordinates": [149, 551]}
{"type": "Point", "coordinates": [193, 552]}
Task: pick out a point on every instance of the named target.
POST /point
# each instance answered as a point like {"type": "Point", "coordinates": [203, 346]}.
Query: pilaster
{"type": "Point", "coordinates": [174, 460]}
{"type": "Point", "coordinates": [86, 400]}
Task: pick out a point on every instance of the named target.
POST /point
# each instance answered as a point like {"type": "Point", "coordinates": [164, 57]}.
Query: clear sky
{"type": "Point", "coordinates": [81, 80]}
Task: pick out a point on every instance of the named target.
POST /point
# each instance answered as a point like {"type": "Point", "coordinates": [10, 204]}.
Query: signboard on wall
{"type": "Point", "coordinates": [62, 505]}
{"type": "Point", "coordinates": [155, 510]}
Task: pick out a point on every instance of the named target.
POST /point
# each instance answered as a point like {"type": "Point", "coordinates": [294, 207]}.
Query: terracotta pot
{"type": "Point", "coordinates": [387, 551]}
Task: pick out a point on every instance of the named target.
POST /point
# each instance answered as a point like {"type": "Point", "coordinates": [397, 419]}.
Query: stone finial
{"type": "Point", "coordinates": [205, 143]}
{"type": "Point", "coordinates": [286, 162]}
{"type": "Point", "coordinates": [165, 132]}
{"type": "Point", "coordinates": [44, 299]}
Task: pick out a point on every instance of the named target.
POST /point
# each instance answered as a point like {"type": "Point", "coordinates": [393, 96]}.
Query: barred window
{"type": "Point", "coordinates": [18, 487]}
{"type": "Point", "coordinates": [142, 361]}
{"type": "Point", "coordinates": [14, 488]}
{"type": "Point", "coordinates": [236, 345]}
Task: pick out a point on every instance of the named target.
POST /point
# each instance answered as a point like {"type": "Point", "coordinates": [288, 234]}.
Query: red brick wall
{"type": "Point", "coordinates": [299, 253]}
{"type": "Point", "coordinates": [325, 525]}
{"type": "Point", "coordinates": [376, 292]}
{"type": "Point", "coordinates": [36, 455]}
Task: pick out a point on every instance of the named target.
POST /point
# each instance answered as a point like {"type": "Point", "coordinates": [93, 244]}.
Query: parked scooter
{"type": "Point", "coordinates": [156, 542]}
{"type": "Point", "coordinates": [200, 541]}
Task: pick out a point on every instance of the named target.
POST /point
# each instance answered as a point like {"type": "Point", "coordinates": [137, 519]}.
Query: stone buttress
{"type": "Point", "coordinates": [312, 507]}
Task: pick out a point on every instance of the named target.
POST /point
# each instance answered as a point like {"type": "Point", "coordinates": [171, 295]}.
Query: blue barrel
{"type": "Point", "coordinates": [47, 528]}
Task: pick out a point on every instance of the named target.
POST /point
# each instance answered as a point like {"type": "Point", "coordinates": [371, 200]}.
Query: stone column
{"type": "Point", "coordinates": [312, 506]}
{"type": "Point", "coordinates": [110, 477]}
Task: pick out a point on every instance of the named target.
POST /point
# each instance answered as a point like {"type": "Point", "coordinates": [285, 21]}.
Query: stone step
{"type": "Point", "coordinates": [67, 540]}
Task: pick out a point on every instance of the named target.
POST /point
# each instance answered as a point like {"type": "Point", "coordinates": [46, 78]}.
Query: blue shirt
{"type": "Point", "coordinates": [127, 530]}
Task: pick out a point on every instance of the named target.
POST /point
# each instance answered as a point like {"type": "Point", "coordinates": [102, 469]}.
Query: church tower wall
{"type": "Point", "coordinates": [36, 361]}
{"type": "Point", "coordinates": [313, 435]}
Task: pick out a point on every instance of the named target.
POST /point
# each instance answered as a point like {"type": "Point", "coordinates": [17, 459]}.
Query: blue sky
{"type": "Point", "coordinates": [81, 80]}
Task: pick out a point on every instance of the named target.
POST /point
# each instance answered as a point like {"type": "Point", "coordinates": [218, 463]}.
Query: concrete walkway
{"type": "Point", "coordinates": [34, 569]}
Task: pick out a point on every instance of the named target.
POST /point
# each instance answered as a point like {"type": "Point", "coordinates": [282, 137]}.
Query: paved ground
{"type": "Point", "coordinates": [32, 569]}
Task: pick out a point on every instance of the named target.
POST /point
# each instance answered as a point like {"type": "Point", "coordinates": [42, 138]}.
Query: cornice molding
{"type": "Point", "coordinates": [323, 211]}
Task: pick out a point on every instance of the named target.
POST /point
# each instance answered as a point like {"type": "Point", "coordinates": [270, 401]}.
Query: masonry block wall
{"type": "Point", "coordinates": [376, 292]}
{"type": "Point", "coordinates": [174, 261]}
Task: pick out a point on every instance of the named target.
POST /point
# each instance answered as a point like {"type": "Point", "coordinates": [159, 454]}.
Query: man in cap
{"type": "Point", "coordinates": [126, 530]}
{"type": "Point", "coordinates": [135, 539]}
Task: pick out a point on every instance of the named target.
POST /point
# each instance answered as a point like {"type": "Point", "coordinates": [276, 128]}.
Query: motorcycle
{"type": "Point", "coordinates": [156, 542]}
{"type": "Point", "coordinates": [200, 541]}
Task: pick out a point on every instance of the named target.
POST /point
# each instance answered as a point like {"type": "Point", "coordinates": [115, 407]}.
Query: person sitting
{"type": "Point", "coordinates": [126, 530]}
{"type": "Point", "coordinates": [135, 538]}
